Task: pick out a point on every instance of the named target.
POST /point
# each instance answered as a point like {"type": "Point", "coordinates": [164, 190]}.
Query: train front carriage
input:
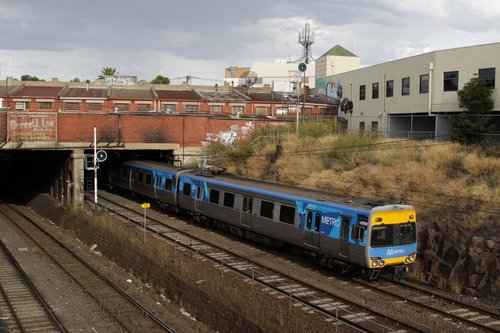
{"type": "Point", "coordinates": [392, 238]}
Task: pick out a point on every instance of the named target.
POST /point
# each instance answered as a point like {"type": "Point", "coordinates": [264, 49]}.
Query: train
{"type": "Point", "coordinates": [342, 232]}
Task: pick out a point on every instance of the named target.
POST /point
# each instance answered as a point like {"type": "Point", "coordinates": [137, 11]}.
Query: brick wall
{"type": "Point", "coordinates": [187, 131]}
{"type": "Point", "coordinates": [3, 126]}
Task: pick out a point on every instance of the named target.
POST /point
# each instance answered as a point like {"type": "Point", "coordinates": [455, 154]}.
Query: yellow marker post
{"type": "Point", "coordinates": [145, 205]}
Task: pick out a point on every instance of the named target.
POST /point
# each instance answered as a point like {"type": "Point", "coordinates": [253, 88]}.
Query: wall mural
{"type": "Point", "coordinates": [334, 89]}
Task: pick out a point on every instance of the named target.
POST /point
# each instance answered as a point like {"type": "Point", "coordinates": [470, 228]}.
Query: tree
{"type": "Point", "coordinates": [160, 79]}
{"type": "Point", "coordinates": [75, 80]}
{"type": "Point", "coordinates": [27, 77]}
{"type": "Point", "coordinates": [107, 71]}
{"type": "Point", "coordinates": [469, 127]}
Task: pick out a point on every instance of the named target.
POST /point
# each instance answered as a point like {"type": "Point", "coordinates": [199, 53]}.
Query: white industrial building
{"type": "Point", "coordinates": [280, 76]}
{"type": "Point", "coordinates": [411, 97]}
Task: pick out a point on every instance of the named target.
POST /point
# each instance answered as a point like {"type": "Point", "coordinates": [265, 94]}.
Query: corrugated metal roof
{"type": "Point", "coordinates": [223, 96]}
{"type": "Point", "coordinates": [263, 97]}
{"type": "Point", "coordinates": [85, 93]}
{"type": "Point", "coordinates": [131, 94]}
{"type": "Point", "coordinates": [177, 95]}
{"type": "Point", "coordinates": [34, 92]}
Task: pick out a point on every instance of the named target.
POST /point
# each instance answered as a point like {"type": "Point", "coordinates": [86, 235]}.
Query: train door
{"type": "Point", "coordinates": [131, 178]}
{"type": "Point", "coordinates": [198, 199]}
{"type": "Point", "coordinates": [344, 236]}
{"type": "Point", "coordinates": [156, 184]}
{"type": "Point", "coordinates": [311, 229]}
{"type": "Point", "coordinates": [246, 211]}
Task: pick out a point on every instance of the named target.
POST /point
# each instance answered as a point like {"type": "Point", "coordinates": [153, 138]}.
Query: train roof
{"type": "Point", "coordinates": [312, 194]}
{"type": "Point", "coordinates": [223, 177]}
{"type": "Point", "coordinates": [155, 165]}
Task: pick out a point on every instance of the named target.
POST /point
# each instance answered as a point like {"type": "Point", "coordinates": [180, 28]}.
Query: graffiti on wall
{"type": "Point", "coordinates": [30, 126]}
{"type": "Point", "coordinates": [235, 132]}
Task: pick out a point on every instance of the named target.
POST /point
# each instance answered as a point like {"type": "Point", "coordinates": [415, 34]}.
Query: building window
{"type": "Point", "coordinates": [374, 126]}
{"type": "Point", "coordinates": [170, 107]}
{"type": "Point", "coordinates": [362, 92]}
{"type": "Point", "coordinates": [94, 107]}
{"type": "Point", "coordinates": [262, 110]}
{"type": "Point", "coordinates": [488, 76]}
{"type": "Point", "coordinates": [237, 110]}
{"type": "Point", "coordinates": [362, 127]}
{"type": "Point", "coordinates": [375, 90]}
{"type": "Point", "coordinates": [121, 106]}
{"type": "Point", "coordinates": [215, 108]}
{"type": "Point", "coordinates": [45, 105]}
{"type": "Point", "coordinates": [424, 84]}
{"type": "Point", "coordinates": [389, 88]}
{"type": "Point", "coordinates": [405, 86]}
{"type": "Point", "coordinates": [191, 108]}
{"type": "Point", "coordinates": [143, 107]}
{"type": "Point", "coordinates": [72, 106]}
{"type": "Point", "coordinates": [22, 105]}
{"type": "Point", "coordinates": [450, 81]}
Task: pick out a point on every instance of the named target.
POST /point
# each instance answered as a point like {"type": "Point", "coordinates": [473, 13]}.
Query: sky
{"type": "Point", "coordinates": [71, 39]}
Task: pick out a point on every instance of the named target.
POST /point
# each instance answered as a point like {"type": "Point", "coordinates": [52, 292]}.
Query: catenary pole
{"type": "Point", "coordinates": [95, 165]}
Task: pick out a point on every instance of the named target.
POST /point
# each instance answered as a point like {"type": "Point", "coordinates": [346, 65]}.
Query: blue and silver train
{"type": "Point", "coordinates": [340, 231]}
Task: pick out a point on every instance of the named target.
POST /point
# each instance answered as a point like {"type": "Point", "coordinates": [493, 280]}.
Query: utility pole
{"type": "Point", "coordinates": [95, 165]}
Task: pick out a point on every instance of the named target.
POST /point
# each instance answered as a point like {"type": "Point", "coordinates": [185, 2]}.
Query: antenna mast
{"type": "Point", "coordinates": [306, 39]}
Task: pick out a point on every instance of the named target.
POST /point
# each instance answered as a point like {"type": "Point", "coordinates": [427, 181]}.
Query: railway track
{"type": "Point", "coordinates": [26, 305]}
{"type": "Point", "coordinates": [337, 309]}
{"type": "Point", "coordinates": [129, 314]}
{"type": "Point", "coordinates": [464, 315]}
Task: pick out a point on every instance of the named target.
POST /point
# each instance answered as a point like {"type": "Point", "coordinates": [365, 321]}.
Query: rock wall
{"type": "Point", "coordinates": [460, 259]}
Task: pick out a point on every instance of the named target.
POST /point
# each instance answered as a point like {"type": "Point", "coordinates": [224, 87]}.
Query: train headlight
{"type": "Point", "coordinates": [374, 263]}
{"type": "Point", "coordinates": [381, 263]}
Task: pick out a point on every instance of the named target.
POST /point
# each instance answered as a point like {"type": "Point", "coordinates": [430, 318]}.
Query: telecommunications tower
{"type": "Point", "coordinates": [306, 39]}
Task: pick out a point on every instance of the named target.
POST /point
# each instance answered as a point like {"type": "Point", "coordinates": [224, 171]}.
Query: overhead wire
{"type": "Point", "coordinates": [369, 147]}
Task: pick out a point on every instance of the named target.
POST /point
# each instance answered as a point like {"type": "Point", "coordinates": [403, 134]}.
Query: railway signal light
{"type": "Point", "coordinates": [101, 156]}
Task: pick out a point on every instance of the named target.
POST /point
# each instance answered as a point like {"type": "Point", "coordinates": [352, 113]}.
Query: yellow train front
{"type": "Point", "coordinates": [392, 239]}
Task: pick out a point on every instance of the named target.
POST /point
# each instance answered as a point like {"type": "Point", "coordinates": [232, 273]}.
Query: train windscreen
{"type": "Point", "coordinates": [394, 234]}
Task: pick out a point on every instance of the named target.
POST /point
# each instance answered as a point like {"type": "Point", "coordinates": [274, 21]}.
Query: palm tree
{"type": "Point", "coordinates": [107, 71]}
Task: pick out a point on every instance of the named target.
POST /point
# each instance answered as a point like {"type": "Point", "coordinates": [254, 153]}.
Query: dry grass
{"type": "Point", "coordinates": [430, 175]}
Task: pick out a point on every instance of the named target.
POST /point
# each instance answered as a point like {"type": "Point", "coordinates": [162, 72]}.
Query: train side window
{"type": "Point", "coordinates": [344, 227]}
{"type": "Point", "coordinates": [266, 209]}
{"type": "Point", "coordinates": [168, 184]}
{"type": "Point", "coordinates": [186, 189]}
{"type": "Point", "coordinates": [214, 196]}
{"type": "Point", "coordinates": [287, 214]}
{"type": "Point", "coordinates": [140, 177]}
{"type": "Point", "coordinates": [358, 233]}
{"type": "Point", "coordinates": [317, 221]}
{"type": "Point", "coordinates": [228, 199]}
{"type": "Point", "coordinates": [309, 220]}
{"type": "Point", "coordinates": [148, 179]}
